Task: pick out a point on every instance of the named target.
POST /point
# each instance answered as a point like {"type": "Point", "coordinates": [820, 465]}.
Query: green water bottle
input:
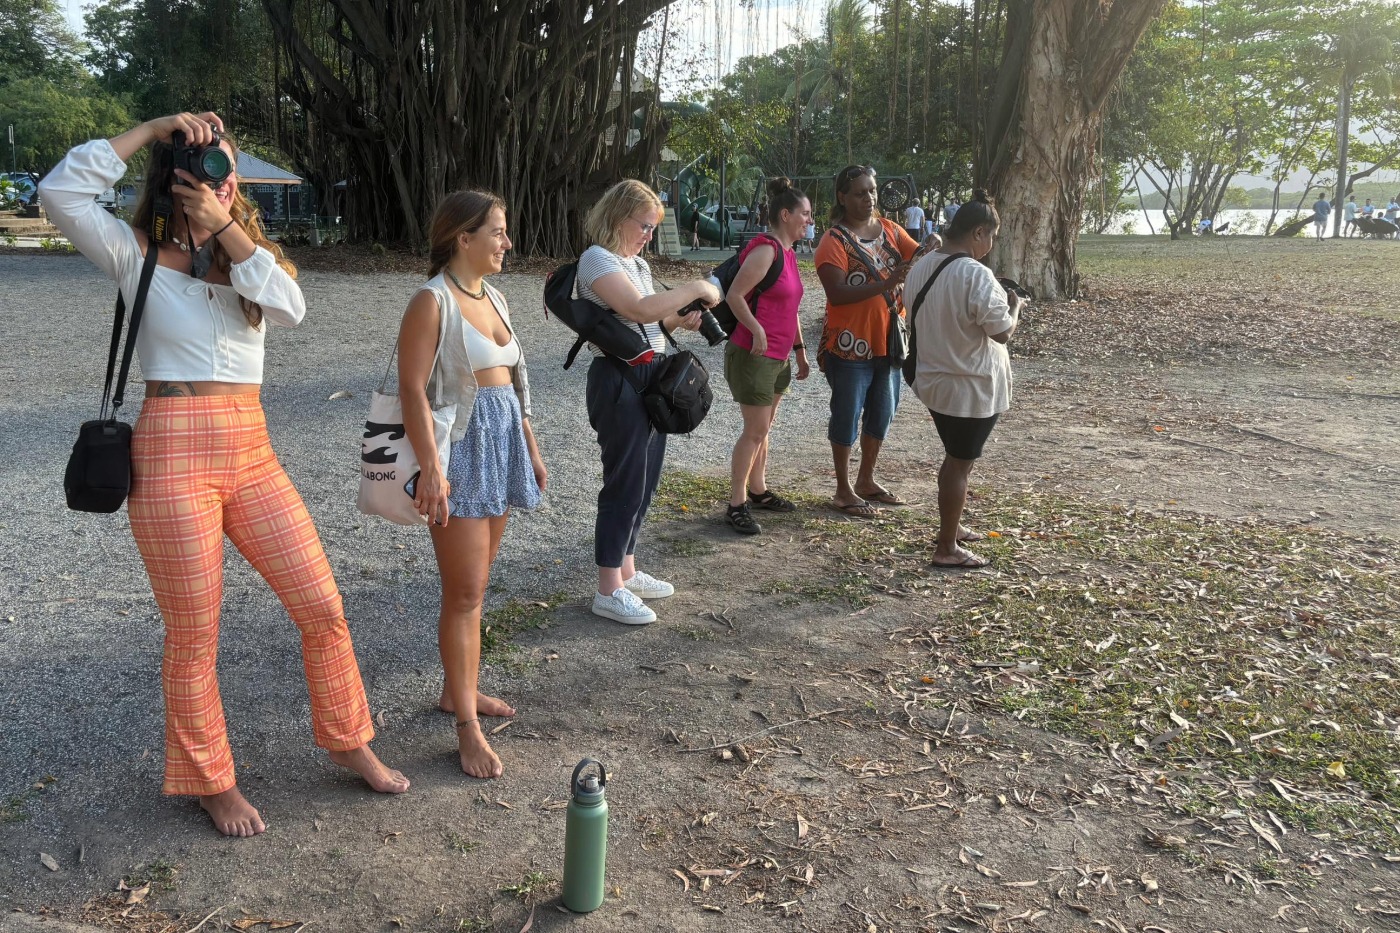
{"type": "Point", "coordinates": [586, 839]}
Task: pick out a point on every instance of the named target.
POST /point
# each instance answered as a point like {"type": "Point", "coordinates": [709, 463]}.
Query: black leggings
{"type": "Point", "coordinates": [632, 455]}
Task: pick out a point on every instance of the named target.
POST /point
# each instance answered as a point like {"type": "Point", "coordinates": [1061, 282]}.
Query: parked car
{"type": "Point", "coordinates": [24, 184]}
{"type": "Point", "coordinates": [122, 197]}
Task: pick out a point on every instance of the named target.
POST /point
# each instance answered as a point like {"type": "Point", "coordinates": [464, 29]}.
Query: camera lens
{"type": "Point", "coordinates": [710, 329]}
{"type": "Point", "coordinates": [215, 165]}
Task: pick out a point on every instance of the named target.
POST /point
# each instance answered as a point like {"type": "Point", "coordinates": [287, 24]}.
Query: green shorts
{"type": "Point", "coordinates": [755, 380]}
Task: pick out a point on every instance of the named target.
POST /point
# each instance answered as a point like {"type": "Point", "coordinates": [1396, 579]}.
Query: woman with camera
{"type": "Point", "coordinates": [202, 466]}
{"type": "Point", "coordinates": [613, 274]}
{"type": "Point", "coordinates": [756, 359]}
{"type": "Point", "coordinates": [962, 371]}
{"type": "Point", "coordinates": [494, 462]}
{"type": "Point", "coordinates": [862, 260]}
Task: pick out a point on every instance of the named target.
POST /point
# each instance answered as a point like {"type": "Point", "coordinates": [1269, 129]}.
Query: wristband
{"type": "Point", "coordinates": [224, 227]}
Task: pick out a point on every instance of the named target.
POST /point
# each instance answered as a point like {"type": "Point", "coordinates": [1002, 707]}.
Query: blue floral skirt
{"type": "Point", "coordinates": [489, 468]}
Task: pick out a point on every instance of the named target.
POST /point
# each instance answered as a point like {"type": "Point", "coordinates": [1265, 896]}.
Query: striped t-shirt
{"type": "Point", "coordinates": [597, 262]}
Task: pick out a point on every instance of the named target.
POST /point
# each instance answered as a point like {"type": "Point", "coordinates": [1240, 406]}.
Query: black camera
{"type": "Point", "coordinates": [1014, 287]}
{"type": "Point", "coordinates": [210, 164]}
{"type": "Point", "coordinates": [710, 328]}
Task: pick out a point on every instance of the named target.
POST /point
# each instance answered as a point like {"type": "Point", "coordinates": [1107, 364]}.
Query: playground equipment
{"type": "Point", "coordinates": [895, 194]}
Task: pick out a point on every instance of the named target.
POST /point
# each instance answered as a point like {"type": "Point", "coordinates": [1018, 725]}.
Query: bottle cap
{"type": "Point", "coordinates": [589, 789]}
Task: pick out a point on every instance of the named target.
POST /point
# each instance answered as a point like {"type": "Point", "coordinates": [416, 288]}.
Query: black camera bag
{"type": "Point", "coordinates": [678, 397]}
{"type": "Point", "coordinates": [98, 475]}
{"type": "Point", "coordinates": [592, 322]}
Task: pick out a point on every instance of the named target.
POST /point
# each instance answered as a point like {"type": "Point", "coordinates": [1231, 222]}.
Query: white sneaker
{"type": "Point", "coordinates": [648, 587]}
{"type": "Point", "coordinates": [623, 606]}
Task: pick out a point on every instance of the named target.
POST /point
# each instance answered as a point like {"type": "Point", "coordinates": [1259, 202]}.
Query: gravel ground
{"type": "Point", "coordinates": [79, 631]}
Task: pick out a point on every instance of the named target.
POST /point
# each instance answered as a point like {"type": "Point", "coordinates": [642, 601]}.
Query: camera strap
{"type": "Point", "coordinates": [162, 210]}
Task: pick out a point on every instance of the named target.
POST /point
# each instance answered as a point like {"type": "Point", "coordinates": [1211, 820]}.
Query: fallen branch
{"type": "Point", "coordinates": [781, 725]}
{"type": "Point", "coordinates": [205, 920]}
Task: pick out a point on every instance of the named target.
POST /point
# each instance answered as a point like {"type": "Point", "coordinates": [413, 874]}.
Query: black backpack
{"type": "Point", "coordinates": [592, 322]}
{"type": "Point", "coordinates": [724, 275]}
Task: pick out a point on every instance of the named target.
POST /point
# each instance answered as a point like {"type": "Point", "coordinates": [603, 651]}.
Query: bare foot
{"type": "Point", "coordinates": [232, 814]}
{"type": "Point", "coordinates": [478, 760]}
{"type": "Point", "coordinates": [368, 766]}
{"type": "Point", "coordinates": [485, 705]}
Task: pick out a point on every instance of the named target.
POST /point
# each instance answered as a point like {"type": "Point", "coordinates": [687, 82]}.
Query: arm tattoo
{"type": "Point", "coordinates": [168, 389]}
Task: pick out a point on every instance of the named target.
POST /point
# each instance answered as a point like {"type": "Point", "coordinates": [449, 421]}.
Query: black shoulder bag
{"type": "Point", "coordinates": [897, 340]}
{"type": "Point", "coordinates": [98, 476]}
{"type": "Point", "coordinates": [678, 396]}
{"type": "Point", "coordinates": [911, 361]}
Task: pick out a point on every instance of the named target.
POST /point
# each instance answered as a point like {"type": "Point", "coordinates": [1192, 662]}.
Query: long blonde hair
{"type": "Point", "coordinates": [160, 175]}
{"type": "Point", "coordinates": [603, 225]}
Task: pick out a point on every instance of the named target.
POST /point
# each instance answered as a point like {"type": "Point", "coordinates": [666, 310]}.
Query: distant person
{"type": "Point", "coordinates": [963, 370]}
{"type": "Point", "coordinates": [930, 226]}
{"type": "Point", "coordinates": [1349, 215]}
{"type": "Point", "coordinates": [950, 210]}
{"type": "Point", "coordinates": [695, 232]}
{"type": "Point", "coordinates": [914, 221]}
{"type": "Point", "coordinates": [1392, 211]}
{"type": "Point", "coordinates": [763, 216]}
{"type": "Point", "coordinates": [1322, 209]}
{"type": "Point", "coordinates": [1368, 208]}
{"type": "Point", "coordinates": [809, 235]}
{"type": "Point", "coordinates": [1204, 227]}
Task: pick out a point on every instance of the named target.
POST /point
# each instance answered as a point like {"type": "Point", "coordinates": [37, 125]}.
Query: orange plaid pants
{"type": "Point", "coordinates": [202, 468]}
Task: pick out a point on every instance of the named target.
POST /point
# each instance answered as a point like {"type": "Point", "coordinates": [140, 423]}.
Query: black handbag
{"type": "Point", "coordinates": [98, 476]}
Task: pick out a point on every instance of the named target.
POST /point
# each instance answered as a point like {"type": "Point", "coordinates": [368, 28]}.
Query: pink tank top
{"type": "Point", "coordinates": [777, 307]}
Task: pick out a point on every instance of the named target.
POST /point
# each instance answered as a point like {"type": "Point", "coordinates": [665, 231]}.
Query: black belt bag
{"type": "Point", "coordinates": [98, 476]}
{"type": "Point", "coordinates": [678, 395]}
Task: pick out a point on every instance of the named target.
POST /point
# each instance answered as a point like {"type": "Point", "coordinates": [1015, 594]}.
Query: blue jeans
{"type": "Point", "coordinates": [861, 387]}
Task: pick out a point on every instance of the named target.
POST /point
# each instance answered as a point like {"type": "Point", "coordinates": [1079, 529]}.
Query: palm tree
{"type": "Point", "coordinates": [832, 73]}
{"type": "Point", "coordinates": [1363, 54]}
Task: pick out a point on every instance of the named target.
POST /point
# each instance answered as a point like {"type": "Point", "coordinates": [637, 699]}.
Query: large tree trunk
{"type": "Point", "coordinates": [408, 100]}
{"type": "Point", "coordinates": [1061, 59]}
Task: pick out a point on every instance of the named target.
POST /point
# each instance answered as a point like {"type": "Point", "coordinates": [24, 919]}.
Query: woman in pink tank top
{"type": "Point", "coordinates": [756, 364]}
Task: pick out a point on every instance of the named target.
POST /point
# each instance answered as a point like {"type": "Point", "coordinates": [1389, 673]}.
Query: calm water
{"type": "Point", "coordinates": [1242, 221]}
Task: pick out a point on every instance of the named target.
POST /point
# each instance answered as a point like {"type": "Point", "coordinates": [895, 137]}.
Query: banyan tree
{"type": "Point", "coordinates": [401, 101]}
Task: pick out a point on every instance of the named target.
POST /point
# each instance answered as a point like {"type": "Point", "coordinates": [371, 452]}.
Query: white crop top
{"type": "Point", "coordinates": [483, 352]}
{"type": "Point", "coordinates": [191, 331]}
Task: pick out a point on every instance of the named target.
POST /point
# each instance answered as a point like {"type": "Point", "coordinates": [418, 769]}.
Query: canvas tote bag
{"type": "Point", "coordinates": [387, 460]}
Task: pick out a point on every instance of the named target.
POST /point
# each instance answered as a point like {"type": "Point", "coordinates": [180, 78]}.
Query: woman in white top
{"type": "Point", "coordinates": [613, 274]}
{"type": "Point", "coordinates": [202, 466]}
{"type": "Point", "coordinates": [494, 462]}
{"type": "Point", "coordinates": [963, 372]}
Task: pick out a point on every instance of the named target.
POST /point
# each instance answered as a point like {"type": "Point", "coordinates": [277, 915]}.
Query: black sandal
{"type": "Point", "coordinates": [771, 501]}
{"type": "Point", "coordinates": [741, 520]}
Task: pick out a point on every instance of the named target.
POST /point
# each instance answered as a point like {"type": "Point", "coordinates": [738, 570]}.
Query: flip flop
{"type": "Point", "coordinates": [856, 509]}
{"type": "Point", "coordinates": [968, 536]}
{"type": "Point", "coordinates": [970, 562]}
{"type": "Point", "coordinates": [884, 497]}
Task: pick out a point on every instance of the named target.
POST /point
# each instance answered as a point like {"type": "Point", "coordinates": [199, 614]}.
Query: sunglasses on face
{"type": "Point", "coordinates": [856, 171]}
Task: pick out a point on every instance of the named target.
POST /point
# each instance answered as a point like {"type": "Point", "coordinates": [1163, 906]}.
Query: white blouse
{"type": "Point", "coordinates": [191, 331]}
